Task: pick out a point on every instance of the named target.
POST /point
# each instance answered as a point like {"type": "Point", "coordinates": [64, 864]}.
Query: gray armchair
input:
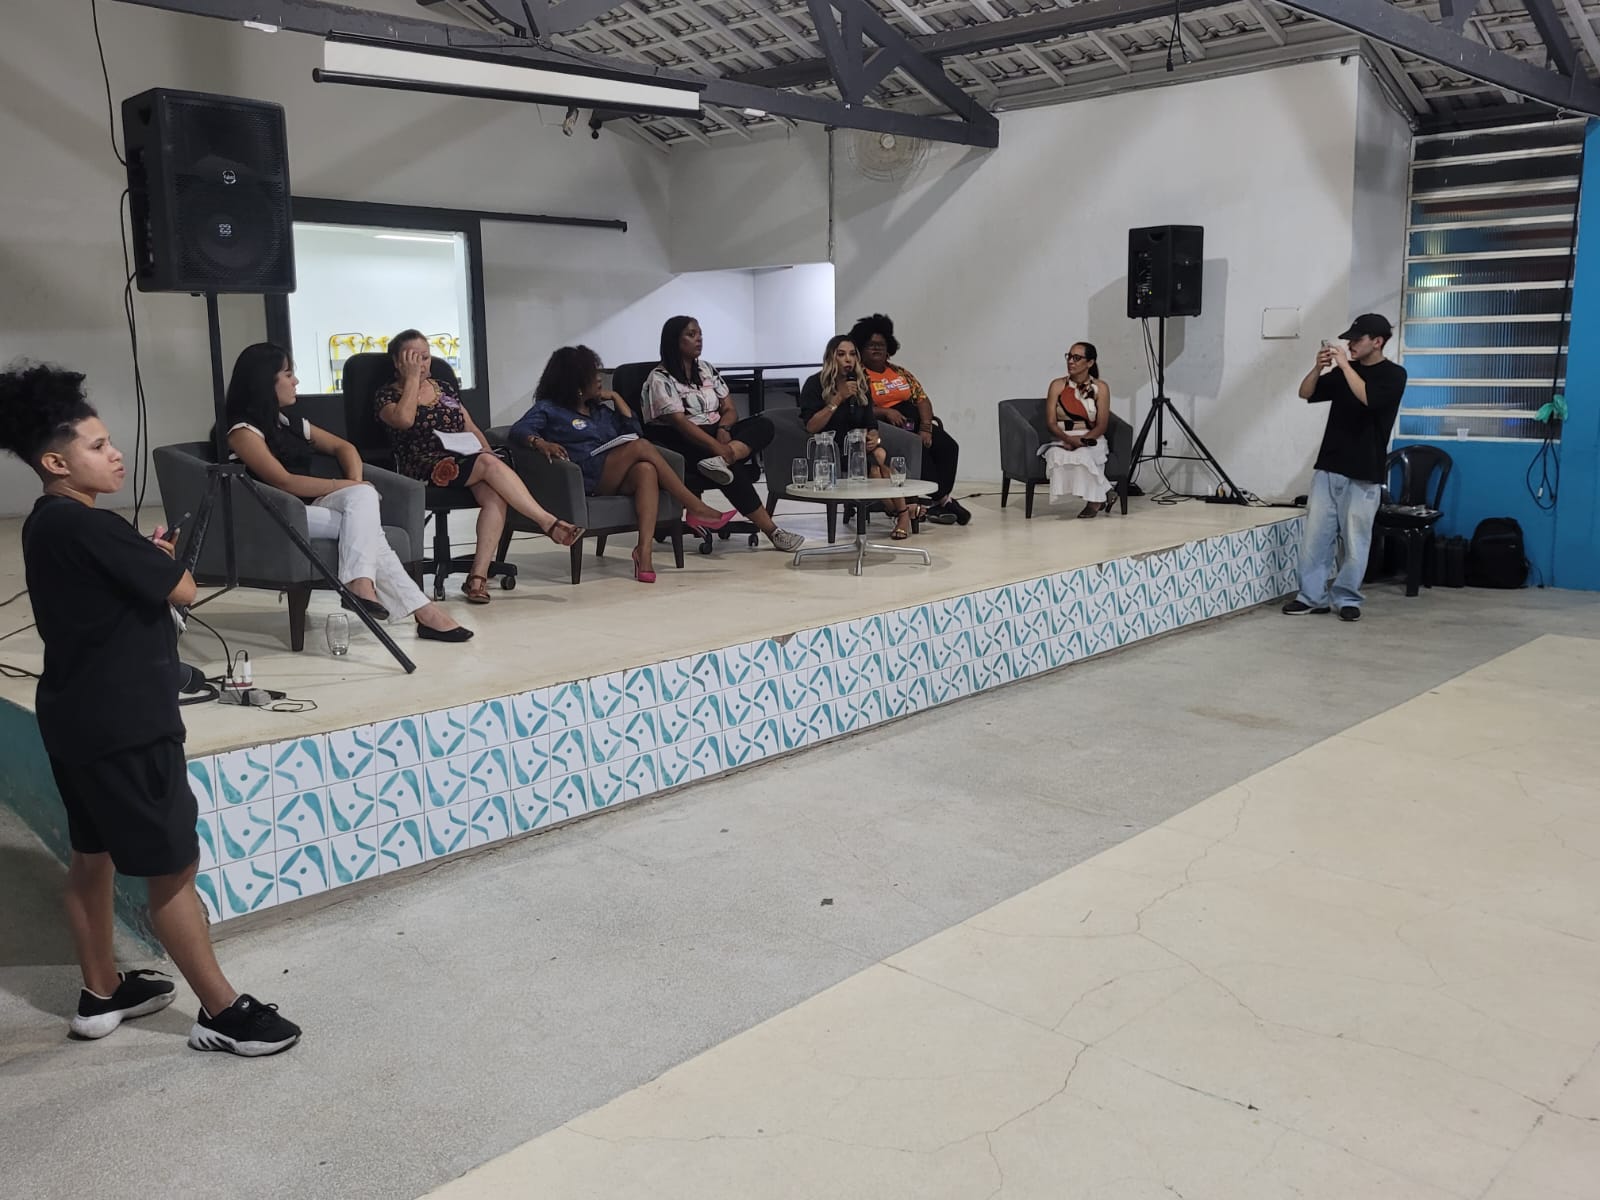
{"type": "Point", "coordinates": [558, 486]}
{"type": "Point", "coordinates": [789, 439]}
{"type": "Point", "coordinates": [1023, 431]}
{"type": "Point", "coordinates": [265, 557]}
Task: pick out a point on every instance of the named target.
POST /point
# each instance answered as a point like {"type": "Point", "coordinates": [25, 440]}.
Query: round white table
{"type": "Point", "coordinates": [861, 495]}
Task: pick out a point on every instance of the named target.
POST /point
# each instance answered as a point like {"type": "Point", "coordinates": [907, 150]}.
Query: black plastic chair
{"type": "Point", "coordinates": [1410, 512]}
{"type": "Point", "coordinates": [363, 375]}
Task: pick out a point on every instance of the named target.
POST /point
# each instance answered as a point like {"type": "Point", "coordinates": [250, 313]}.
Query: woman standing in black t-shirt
{"type": "Point", "coordinates": [108, 715]}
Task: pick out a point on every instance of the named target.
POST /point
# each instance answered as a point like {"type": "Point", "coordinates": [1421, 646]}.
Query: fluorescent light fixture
{"type": "Point", "coordinates": [414, 237]}
{"type": "Point", "coordinates": [371, 63]}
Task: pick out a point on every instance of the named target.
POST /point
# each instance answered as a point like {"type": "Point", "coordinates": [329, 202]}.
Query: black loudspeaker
{"type": "Point", "coordinates": [1165, 265]}
{"type": "Point", "coordinates": [208, 193]}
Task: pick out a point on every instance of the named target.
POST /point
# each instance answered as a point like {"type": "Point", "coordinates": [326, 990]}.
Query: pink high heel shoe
{"type": "Point", "coordinates": [641, 576]}
{"type": "Point", "coordinates": [703, 526]}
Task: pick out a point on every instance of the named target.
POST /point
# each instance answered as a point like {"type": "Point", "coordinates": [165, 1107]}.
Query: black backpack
{"type": "Point", "coordinates": [1496, 558]}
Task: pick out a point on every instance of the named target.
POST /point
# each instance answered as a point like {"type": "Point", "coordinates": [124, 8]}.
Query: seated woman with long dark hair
{"type": "Point", "coordinates": [687, 409]}
{"type": "Point", "coordinates": [418, 408]}
{"type": "Point", "coordinates": [277, 451]}
{"type": "Point", "coordinates": [835, 399]}
{"type": "Point", "coordinates": [1077, 410]}
{"type": "Point", "coordinates": [573, 416]}
{"type": "Point", "coordinates": [900, 400]}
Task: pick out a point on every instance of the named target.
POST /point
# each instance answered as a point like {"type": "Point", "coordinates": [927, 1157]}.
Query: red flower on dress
{"type": "Point", "coordinates": [445, 471]}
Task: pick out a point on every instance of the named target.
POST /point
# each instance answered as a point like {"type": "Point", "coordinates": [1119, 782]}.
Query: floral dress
{"type": "Point", "coordinates": [417, 451]}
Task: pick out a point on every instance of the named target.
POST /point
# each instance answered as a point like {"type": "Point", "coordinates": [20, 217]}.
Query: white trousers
{"type": "Point", "coordinates": [351, 515]}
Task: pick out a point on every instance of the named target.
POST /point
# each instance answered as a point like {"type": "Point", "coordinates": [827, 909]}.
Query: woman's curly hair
{"type": "Point", "coordinates": [861, 332]}
{"type": "Point", "coordinates": [40, 409]}
{"type": "Point", "coordinates": [568, 372]}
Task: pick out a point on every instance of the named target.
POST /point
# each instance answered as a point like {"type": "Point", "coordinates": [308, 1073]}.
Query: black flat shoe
{"type": "Point", "coordinates": [458, 634]}
{"type": "Point", "coordinates": [963, 517]}
{"type": "Point", "coordinates": [375, 610]}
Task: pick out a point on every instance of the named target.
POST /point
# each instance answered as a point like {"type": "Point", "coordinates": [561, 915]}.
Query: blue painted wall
{"type": "Point", "coordinates": [1490, 479]}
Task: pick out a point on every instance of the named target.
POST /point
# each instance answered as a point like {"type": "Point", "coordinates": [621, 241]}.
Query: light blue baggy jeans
{"type": "Point", "coordinates": [1338, 537]}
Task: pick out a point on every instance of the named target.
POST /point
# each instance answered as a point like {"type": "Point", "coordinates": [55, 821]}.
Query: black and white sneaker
{"type": "Point", "coordinates": [246, 1027]}
{"type": "Point", "coordinates": [1299, 608]}
{"type": "Point", "coordinates": [952, 505]}
{"type": "Point", "coordinates": [1349, 612]}
{"type": "Point", "coordinates": [138, 995]}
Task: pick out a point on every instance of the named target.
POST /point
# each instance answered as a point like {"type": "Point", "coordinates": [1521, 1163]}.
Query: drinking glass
{"type": "Point", "coordinates": [338, 631]}
{"type": "Point", "coordinates": [824, 470]}
{"type": "Point", "coordinates": [799, 472]}
{"type": "Point", "coordinates": [897, 470]}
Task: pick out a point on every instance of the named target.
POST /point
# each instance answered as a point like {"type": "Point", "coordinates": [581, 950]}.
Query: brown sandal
{"type": "Point", "coordinates": [564, 533]}
{"type": "Point", "coordinates": [476, 589]}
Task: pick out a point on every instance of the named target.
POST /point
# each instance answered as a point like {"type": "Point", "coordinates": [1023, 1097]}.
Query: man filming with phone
{"type": "Point", "coordinates": [1362, 389]}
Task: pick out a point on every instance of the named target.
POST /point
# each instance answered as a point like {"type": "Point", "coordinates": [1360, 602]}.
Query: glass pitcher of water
{"type": "Point", "coordinates": [823, 457]}
{"type": "Point", "coordinates": [855, 448]}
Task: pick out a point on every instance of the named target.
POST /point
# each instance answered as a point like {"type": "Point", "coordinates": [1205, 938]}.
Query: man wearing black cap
{"type": "Point", "coordinates": [1363, 390]}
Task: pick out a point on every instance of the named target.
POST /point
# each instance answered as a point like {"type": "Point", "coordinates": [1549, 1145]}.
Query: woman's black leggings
{"type": "Point", "coordinates": [939, 460]}
{"type": "Point", "coordinates": [755, 432]}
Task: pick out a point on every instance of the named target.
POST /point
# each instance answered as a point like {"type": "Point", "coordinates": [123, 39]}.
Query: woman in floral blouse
{"type": "Point", "coordinates": [418, 408]}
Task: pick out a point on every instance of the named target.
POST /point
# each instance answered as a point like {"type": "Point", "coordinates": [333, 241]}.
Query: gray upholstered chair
{"type": "Point", "coordinates": [265, 557]}
{"type": "Point", "coordinates": [1023, 431]}
{"type": "Point", "coordinates": [789, 440]}
{"type": "Point", "coordinates": [558, 487]}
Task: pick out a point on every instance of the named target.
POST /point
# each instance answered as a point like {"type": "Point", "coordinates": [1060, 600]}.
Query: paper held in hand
{"type": "Point", "coordinates": [459, 443]}
{"type": "Point", "coordinates": [622, 439]}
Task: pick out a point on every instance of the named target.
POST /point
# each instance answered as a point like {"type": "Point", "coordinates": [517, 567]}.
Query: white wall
{"type": "Point", "coordinates": [545, 285]}
{"type": "Point", "coordinates": [992, 263]}
{"type": "Point", "coordinates": [794, 312]}
{"type": "Point", "coordinates": [1382, 176]}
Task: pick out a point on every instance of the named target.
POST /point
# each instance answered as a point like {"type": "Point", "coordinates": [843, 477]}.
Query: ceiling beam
{"type": "Point", "coordinates": [1089, 17]}
{"type": "Point", "coordinates": [320, 18]}
{"type": "Point", "coordinates": [1381, 21]}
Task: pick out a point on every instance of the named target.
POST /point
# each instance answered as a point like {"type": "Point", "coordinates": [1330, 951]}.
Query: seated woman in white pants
{"type": "Point", "coordinates": [1077, 411]}
{"type": "Point", "coordinates": [278, 453]}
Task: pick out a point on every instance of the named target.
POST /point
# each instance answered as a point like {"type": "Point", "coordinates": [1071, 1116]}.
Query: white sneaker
{"type": "Point", "coordinates": [715, 469]}
{"type": "Point", "coordinates": [783, 539]}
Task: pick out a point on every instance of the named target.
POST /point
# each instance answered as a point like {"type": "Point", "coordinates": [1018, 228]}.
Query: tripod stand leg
{"type": "Point", "coordinates": [1234, 493]}
{"type": "Point", "coordinates": [328, 575]}
{"type": "Point", "coordinates": [1137, 454]}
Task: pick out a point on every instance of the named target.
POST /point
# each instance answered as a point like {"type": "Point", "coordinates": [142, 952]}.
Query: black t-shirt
{"type": "Point", "coordinates": [99, 594]}
{"type": "Point", "coordinates": [847, 416]}
{"type": "Point", "coordinates": [1356, 440]}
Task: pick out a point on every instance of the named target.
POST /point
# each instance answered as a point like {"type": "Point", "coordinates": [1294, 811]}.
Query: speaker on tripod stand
{"type": "Point", "coordinates": [1166, 269]}
{"type": "Point", "coordinates": [208, 200]}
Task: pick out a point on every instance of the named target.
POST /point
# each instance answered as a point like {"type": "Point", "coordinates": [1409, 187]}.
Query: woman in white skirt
{"type": "Point", "coordinates": [278, 451]}
{"type": "Point", "coordinates": [1077, 410]}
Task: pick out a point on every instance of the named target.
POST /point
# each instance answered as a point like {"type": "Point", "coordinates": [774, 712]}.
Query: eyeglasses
{"type": "Point", "coordinates": [1077, 358]}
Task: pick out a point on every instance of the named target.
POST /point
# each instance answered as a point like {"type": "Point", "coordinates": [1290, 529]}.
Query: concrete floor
{"type": "Point", "coordinates": [454, 1017]}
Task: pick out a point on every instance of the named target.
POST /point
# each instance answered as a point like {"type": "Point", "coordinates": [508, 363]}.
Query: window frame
{"type": "Point", "coordinates": [317, 211]}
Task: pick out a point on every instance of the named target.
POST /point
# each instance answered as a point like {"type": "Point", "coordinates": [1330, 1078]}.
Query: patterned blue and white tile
{"type": "Point", "coordinates": [302, 818]}
{"type": "Point", "coordinates": [397, 744]}
{"type": "Point", "coordinates": [642, 686]}
{"type": "Point", "coordinates": [528, 761]}
{"type": "Point", "coordinates": [244, 831]}
{"type": "Point", "coordinates": [675, 681]}
{"type": "Point", "coordinates": [353, 857]}
{"type": "Point", "coordinates": [400, 844]}
{"type": "Point", "coordinates": [205, 831]}
{"type": "Point", "coordinates": [689, 719]}
{"type": "Point", "coordinates": [753, 700]}
{"type": "Point", "coordinates": [305, 871]}
{"type": "Point", "coordinates": [807, 648]}
{"type": "Point", "coordinates": [491, 820]}
{"type": "Point", "coordinates": [707, 670]}
{"type": "Point", "coordinates": [244, 776]}
{"type": "Point", "coordinates": [606, 697]}
{"type": "Point", "coordinates": [400, 794]}
{"type": "Point", "coordinates": [490, 772]}
{"type": "Point", "coordinates": [448, 782]}
{"type": "Point", "coordinates": [568, 706]}
{"type": "Point", "coordinates": [569, 794]}
{"type": "Point", "coordinates": [208, 884]}
{"type": "Point", "coordinates": [808, 686]}
{"type": "Point", "coordinates": [203, 783]}
{"type": "Point", "coordinates": [531, 808]}
{"type": "Point", "coordinates": [248, 885]}
{"type": "Point", "coordinates": [352, 753]}
{"type": "Point", "coordinates": [352, 805]}
{"type": "Point", "coordinates": [489, 724]}
{"type": "Point", "coordinates": [569, 752]}
{"type": "Point", "coordinates": [445, 733]}
{"type": "Point", "coordinates": [529, 713]}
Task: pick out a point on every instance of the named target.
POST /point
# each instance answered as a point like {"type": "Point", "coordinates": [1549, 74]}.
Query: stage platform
{"type": "Point", "coordinates": [575, 699]}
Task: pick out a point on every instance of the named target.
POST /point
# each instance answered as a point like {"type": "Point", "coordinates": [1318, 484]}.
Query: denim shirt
{"type": "Point", "coordinates": [577, 433]}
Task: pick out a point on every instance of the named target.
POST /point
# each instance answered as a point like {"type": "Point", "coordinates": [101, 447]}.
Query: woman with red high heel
{"type": "Point", "coordinates": [573, 416]}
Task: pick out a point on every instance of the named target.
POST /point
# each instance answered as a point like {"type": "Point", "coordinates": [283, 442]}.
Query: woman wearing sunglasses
{"type": "Point", "coordinates": [1078, 411]}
